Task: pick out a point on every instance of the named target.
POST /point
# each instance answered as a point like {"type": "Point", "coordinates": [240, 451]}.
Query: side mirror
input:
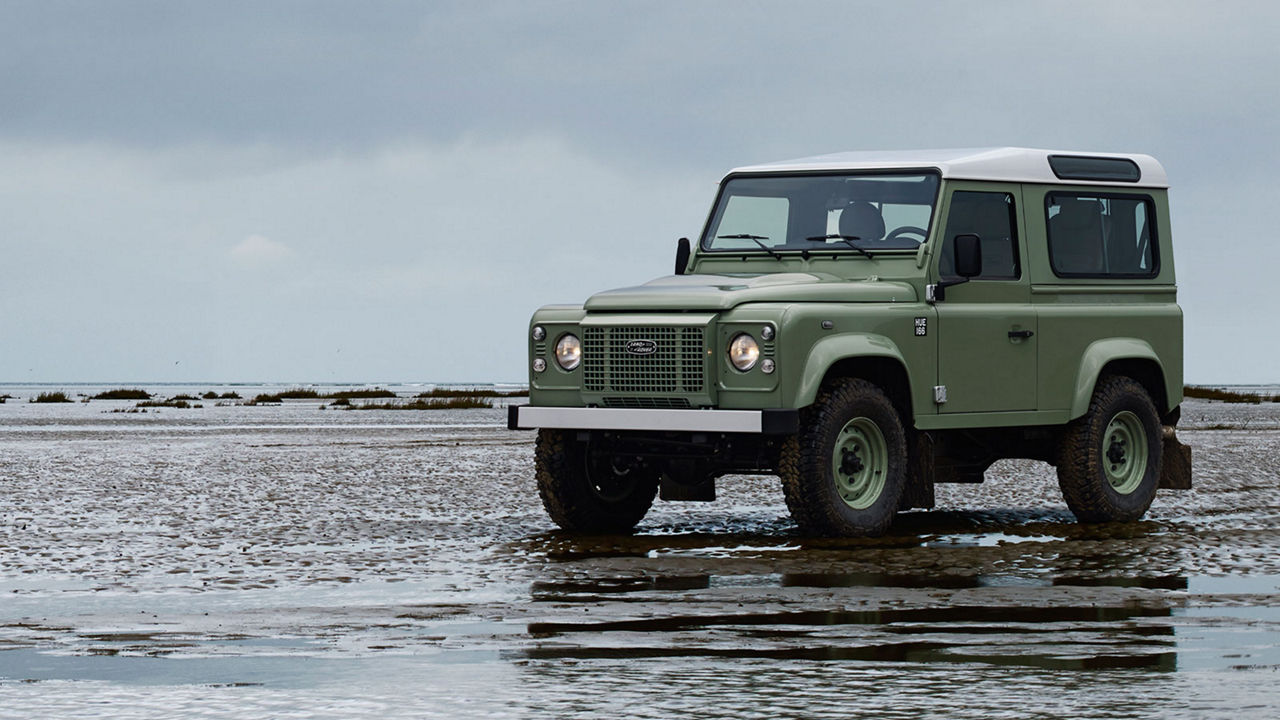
{"type": "Point", "coordinates": [968, 255]}
{"type": "Point", "coordinates": [682, 255]}
{"type": "Point", "coordinates": [968, 264]}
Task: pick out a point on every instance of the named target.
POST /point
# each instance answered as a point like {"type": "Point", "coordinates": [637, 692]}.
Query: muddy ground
{"type": "Point", "coordinates": [297, 562]}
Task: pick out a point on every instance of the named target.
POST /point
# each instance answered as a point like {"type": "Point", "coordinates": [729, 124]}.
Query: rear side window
{"type": "Point", "coordinates": [1101, 235]}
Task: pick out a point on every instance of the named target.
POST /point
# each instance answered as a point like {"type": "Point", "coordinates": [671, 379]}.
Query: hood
{"type": "Point", "coordinates": [722, 292]}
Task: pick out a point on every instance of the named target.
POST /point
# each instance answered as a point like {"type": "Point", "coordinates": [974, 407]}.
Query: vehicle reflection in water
{"type": "Point", "coordinates": [994, 589]}
{"type": "Point", "coordinates": [1056, 637]}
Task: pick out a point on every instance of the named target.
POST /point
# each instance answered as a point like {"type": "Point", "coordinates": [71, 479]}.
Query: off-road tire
{"type": "Point", "coordinates": [574, 501]}
{"type": "Point", "coordinates": [1093, 482]}
{"type": "Point", "coordinates": [809, 475]}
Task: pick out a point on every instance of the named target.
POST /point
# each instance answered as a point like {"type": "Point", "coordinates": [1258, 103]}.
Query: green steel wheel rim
{"type": "Point", "coordinates": [1124, 452]}
{"type": "Point", "coordinates": [860, 463]}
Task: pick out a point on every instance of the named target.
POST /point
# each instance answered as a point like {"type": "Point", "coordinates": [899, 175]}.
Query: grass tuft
{"type": "Point", "coordinates": [361, 394]}
{"type": "Point", "coordinates": [447, 393]}
{"type": "Point", "coordinates": [170, 403]}
{"type": "Point", "coordinates": [51, 397]}
{"type": "Point", "coordinates": [428, 404]}
{"type": "Point", "coordinates": [123, 394]}
{"type": "Point", "coordinates": [264, 398]}
{"type": "Point", "coordinates": [299, 394]}
{"type": "Point", "coordinates": [1208, 393]}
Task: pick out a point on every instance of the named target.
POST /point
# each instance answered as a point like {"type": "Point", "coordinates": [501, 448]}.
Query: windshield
{"type": "Point", "coordinates": [848, 213]}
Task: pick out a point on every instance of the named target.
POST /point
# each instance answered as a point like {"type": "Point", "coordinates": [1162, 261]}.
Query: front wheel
{"type": "Point", "coordinates": [1109, 459]}
{"type": "Point", "coordinates": [592, 492]}
{"type": "Point", "coordinates": [843, 474]}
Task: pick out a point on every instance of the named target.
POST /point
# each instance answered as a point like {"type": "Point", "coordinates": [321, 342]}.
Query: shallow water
{"type": "Point", "coordinates": [293, 562]}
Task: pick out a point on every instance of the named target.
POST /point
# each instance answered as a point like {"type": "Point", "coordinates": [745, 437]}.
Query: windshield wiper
{"type": "Point", "coordinates": [846, 239]}
{"type": "Point", "coordinates": [755, 239]}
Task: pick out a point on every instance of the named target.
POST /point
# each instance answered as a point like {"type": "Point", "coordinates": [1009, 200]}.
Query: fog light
{"type": "Point", "coordinates": [766, 332]}
{"type": "Point", "coordinates": [539, 333]}
{"type": "Point", "coordinates": [539, 365]}
{"type": "Point", "coordinates": [767, 366]}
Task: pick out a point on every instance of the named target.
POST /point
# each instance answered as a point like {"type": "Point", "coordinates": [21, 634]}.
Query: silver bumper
{"type": "Point", "coordinates": [767, 422]}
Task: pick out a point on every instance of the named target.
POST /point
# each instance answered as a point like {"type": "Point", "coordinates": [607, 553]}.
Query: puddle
{"type": "Point", "coordinates": [932, 653]}
{"type": "Point", "coordinates": [1203, 585]}
{"type": "Point", "coordinates": [1235, 584]}
{"type": "Point", "coordinates": [1172, 582]}
{"type": "Point", "coordinates": [587, 588]}
{"type": "Point", "coordinates": [275, 671]}
{"type": "Point", "coordinates": [988, 540]}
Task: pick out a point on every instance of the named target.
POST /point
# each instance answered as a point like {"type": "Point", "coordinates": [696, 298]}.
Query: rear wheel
{"type": "Point", "coordinates": [585, 491]}
{"type": "Point", "coordinates": [844, 472]}
{"type": "Point", "coordinates": [1109, 459]}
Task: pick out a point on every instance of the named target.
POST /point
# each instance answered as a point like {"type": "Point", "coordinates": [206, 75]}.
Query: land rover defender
{"type": "Point", "coordinates": [865, 325]}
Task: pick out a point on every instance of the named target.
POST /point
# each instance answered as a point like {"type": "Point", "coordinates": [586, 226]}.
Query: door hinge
{"type": "Point", "coordinates": [939, 394]}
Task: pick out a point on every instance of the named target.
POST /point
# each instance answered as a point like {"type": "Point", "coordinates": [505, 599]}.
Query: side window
{"type": "Point", "coordinates": [1101, 235]}
{"type": "Point", "coordinates": [993, 218]}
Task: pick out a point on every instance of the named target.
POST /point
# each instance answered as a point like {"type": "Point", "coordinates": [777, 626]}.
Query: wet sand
{"type": "Point", "coordinates": [288, 561]}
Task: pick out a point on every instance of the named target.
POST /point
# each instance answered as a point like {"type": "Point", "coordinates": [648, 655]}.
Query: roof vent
{"type": "Point", "coordinates": [1102, 169]}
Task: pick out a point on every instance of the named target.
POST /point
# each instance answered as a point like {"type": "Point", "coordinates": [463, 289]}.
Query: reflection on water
{"type": "Point", "coordinates": [1054, 638]}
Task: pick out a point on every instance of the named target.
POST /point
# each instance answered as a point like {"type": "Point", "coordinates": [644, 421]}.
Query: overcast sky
{"type": "Point", "coordinates": [384, 191]}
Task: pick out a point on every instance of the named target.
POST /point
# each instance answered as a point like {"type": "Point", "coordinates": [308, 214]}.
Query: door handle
{"type": "Point", "coordinates": [1020, 333]}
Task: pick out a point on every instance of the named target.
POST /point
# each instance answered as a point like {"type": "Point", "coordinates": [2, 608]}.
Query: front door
{"type": "Point", "coordinates": [986, 327]}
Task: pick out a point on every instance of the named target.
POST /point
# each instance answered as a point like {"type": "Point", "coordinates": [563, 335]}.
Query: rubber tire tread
{"type": "Point", "coordinates": [1080, 455]}
{"type": "Point", "coordinates": [567, 494]}
{"type": "Point", "coordinates": [805, 462]}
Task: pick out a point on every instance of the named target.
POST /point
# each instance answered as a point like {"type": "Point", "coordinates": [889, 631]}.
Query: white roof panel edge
{"type": "Point", "coordinates": [1006, 164]}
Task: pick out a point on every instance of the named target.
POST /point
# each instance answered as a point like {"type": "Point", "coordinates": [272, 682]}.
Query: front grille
{"type": "Point", "coordinates": [675, 365]}
{"type": "Point", "coordinates": [659, 403]}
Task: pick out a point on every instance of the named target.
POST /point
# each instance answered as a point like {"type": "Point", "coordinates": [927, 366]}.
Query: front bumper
{"type": "Point", "coordinates": [761, 422]}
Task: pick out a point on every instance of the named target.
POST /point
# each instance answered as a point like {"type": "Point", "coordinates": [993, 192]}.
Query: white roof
{"type": "Point", "coordinates": [1006, 164]}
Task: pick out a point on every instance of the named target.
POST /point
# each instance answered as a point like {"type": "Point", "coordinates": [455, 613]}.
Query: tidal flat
{"type": "Point", "coordinates": [285, 561]}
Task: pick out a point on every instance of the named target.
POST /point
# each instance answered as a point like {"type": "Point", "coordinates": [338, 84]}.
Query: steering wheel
{"type": "Point", "coordinates": [906, 230]}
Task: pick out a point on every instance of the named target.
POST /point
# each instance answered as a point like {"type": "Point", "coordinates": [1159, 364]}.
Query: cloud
{"type": "Point", "coordinates": [257, 251]}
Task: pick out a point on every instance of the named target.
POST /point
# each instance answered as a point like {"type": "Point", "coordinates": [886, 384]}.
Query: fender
{"type": "Point", "coordinates": [830, 350]}
{"type": "Point", "coordinates": [1096, 357]}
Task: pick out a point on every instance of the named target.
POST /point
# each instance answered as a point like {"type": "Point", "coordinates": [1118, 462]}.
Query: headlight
{"type": "Point", "coordinates": [568, 352]}
{"type": "Point", "coordinates": [743, 352]}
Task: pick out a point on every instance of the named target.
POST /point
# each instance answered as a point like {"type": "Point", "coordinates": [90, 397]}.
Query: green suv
{"type": "Point", "coordinates": [865, 325]}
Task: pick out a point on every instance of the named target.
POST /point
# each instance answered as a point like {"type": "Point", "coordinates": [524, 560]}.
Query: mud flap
{"type": "Point", "coordinates": [669, 489]}
{"type": "Point", "coordinates": [918, 492]}
{"type": "Point", "coordinates": [1175, 465]}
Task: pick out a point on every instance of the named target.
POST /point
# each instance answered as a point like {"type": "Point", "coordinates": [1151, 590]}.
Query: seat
{"type": "Point", "coordinates": [862, 220]}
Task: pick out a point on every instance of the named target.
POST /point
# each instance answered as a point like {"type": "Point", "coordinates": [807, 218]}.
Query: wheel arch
{"type": "Point", "coordinates": [1130, 357]}
{"type": "Point", "coordinates": [874, 358]}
